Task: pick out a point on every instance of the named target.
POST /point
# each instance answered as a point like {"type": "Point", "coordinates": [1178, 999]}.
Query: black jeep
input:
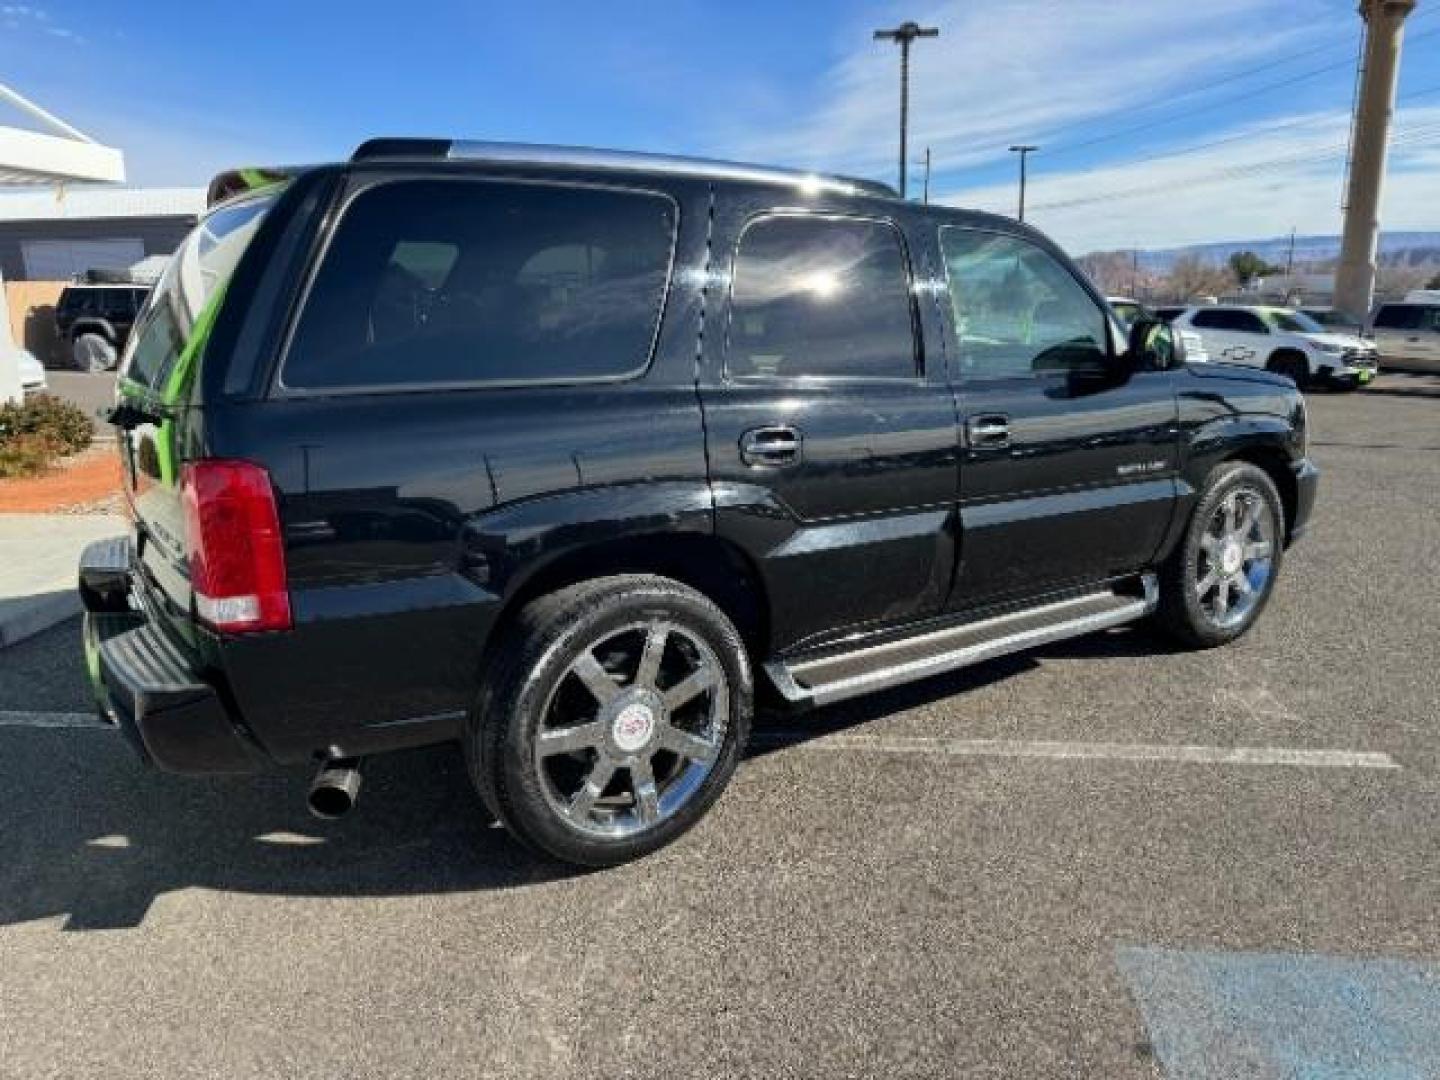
{"type": "Point", "coordinates": [93, 319]}
{"type": "Point", "coordinates": [559, 453]}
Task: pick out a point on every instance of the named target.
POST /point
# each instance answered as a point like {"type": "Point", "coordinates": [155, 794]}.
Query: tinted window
{"type": "Point", "coordinates": [77, 302]}
{"type": "Point", "coordinates": [439, 281]}
{"type": "Point", "coordinates": [1398, 317]}
{"type": "Point", "coordinates": [1227, 319]}
{"type": "Point", "coordinates": [820, 296]}
{"type": "Point", "coordinates": [1017, 310]}
{"type": "Point", "coordinates": [1248, 322]}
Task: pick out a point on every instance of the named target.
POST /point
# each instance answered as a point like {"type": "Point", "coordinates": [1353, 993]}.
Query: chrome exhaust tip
{"type": "Point", "coordinates": [335, 789]}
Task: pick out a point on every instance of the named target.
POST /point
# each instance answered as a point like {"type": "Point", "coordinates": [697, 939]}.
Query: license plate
{"type": "Point", "coordinates": [1366, 375]}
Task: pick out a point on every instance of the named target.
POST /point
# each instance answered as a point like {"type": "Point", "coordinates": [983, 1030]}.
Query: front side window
{"type": "Point", "coordinates": [1017, 310]}
{"type": "Point", "coordinates": [1292, 322]}
{"type": "Point", "coordinates": [444, 281]}
{"type": "Point", "coordinates": [817, 296]}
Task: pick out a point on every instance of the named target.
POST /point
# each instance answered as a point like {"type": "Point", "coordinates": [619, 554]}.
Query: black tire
{"type": "Point", "coordinates": [532, 673]}
{"type": "Point", "coordinates": [1292, 365]}
{"type": "Point", "coordinates": [93, 352]}
{"type": "Point", "coordinates": [1183, 610]}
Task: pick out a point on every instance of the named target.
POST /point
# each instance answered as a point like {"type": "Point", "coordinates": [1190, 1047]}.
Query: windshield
{"type": "Point", "coordinates": [185, 299]}
{"type": "Point", "coordinates": [1292, 322]}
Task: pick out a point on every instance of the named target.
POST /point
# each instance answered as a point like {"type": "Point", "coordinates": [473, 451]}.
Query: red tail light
{"type": "Point", "coordinates": [234, 546]}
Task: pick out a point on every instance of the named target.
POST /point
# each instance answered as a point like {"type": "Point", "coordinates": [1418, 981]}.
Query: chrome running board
{"type": "Point", "coordinates": [837, 676]}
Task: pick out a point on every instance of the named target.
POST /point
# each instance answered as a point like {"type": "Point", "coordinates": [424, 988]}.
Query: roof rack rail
{"type": "Point", "coordinates": [592, 157]}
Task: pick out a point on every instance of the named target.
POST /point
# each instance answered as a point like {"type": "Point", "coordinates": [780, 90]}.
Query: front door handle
{"type": "Point", "coordinates": [988, 429]}
{"type": "Point", "coordinates": [770, 447]}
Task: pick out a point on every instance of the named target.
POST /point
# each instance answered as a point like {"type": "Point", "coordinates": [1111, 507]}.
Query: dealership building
{"type": "Point", "coordinates": [55, 234]}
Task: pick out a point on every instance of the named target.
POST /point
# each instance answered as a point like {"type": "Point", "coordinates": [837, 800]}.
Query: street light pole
{"type": "Point", "coordinates": [1024, 152]}
{"type": "Point", "coordinates": [905, 33]}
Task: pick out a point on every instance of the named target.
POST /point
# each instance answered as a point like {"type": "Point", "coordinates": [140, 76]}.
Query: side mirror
{"type": "Point", "coordinates": [1154, 346]}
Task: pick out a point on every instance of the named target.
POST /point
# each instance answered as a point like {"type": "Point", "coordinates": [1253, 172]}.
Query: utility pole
{"type": "Point", "coordinates": [905, 33]}
{"type": "Point", "coordinates": [927, 176]}
{"type": "Point", "coordinates": [1384, 34]}
{"type": "Point", "coordinates": [1024, 152]}
{"type": "Point", "coordinates": [1290, 255]}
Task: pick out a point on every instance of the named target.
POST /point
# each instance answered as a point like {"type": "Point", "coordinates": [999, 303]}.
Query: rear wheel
{"type": "Point", "coordinates": [93, 353]}
{"type": "Point", "coordinates": [1292, 365]}
{"type": "Point", "coordinates": [1220, 578]}
{"type": "Point", "coordinates": [613, 720]}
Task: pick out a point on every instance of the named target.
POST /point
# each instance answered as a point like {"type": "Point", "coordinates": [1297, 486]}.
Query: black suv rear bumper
{"type": "Point", "coordinates": [145, 684]}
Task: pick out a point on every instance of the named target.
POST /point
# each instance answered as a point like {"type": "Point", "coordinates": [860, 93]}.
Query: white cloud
{"type": "Point", "coordinates": [1039, 67]}
{"type": "Point", "coordinates": [35, 19]}
{"type": "Point", "coordinates": [1161, 203]}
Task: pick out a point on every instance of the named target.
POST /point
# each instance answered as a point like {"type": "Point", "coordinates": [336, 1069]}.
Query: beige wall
{"type": "Point", "coordinates": [31, 305]}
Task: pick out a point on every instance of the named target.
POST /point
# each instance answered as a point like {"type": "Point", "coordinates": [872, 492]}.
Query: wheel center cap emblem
{"type": "Point", "coordinates": [633, 726]}
{"type": "Point", "coordinates": [1230, 558]}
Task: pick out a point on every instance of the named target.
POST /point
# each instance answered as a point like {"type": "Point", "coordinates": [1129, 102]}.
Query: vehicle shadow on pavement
{"type": "Point", "coordinates": [776, 730]}
{"type": "Point", "coordinates": [92, 835]}
{"type": "Point", "coordinates": [1406, 384]}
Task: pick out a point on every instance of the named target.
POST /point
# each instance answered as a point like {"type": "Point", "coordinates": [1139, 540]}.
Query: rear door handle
{"type": "Point", "coordinates": [770, 447]}
{"type": "Point", "coordinates": [988, 429]}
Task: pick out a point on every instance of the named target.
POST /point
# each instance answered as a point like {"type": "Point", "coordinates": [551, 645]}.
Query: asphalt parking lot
{"type": "Point", "coordinates": [980, 875]}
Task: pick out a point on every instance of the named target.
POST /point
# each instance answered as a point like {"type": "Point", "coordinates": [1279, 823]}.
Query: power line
{"type": "Point", "coordinates": [1213, 105]}
{"type": "Point", "coordinates": [1420, 136]}
{"type": "Point", "coordinates": [1258, 132]}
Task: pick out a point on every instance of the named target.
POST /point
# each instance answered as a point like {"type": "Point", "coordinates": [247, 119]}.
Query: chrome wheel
{"type": "Point", "coordinates": [632, 729]}
{"type": "Point", "coordinates": [1237, 554]}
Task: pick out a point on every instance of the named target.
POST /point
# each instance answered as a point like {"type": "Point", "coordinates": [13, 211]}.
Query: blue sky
{"type": "Point", "coordinates": [186, 91]}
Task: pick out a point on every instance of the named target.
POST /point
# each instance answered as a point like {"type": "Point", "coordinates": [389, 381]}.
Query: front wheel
{"type": "Point", "coordinates": [1220, 578]}
{"type": "Point", "coordinates": [614, 718]}
{"type": "Point", "coordinates": [1293, 365]}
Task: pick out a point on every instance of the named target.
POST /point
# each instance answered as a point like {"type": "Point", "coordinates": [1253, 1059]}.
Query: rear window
{"type": "Point", "coordinates": [182, 301]}
{"type": "Point", "coordinates": [472, 281]}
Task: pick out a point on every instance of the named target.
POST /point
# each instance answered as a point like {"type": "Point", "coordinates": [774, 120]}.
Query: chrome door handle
{"type": "Point", "coordinates": [770, 447]}
{"type": "Point", "coordinates": [992, 429]}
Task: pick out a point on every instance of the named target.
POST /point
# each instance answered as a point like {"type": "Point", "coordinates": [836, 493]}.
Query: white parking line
{"type": "Point", "coordinates": [800, 739]}
{"type": "Point", "coordinates": [52, 720]}
{"type": "Point", "coordinates": [1017, 748]}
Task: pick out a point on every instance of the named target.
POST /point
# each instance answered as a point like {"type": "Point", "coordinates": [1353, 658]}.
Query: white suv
{"type": "Point", "coordinates": [1281, 340]}
{"type": "Point", "coordinates": [1128, 310]}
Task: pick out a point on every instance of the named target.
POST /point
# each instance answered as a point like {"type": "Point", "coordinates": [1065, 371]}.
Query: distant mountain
{"type": "Point", "coordinates": [1396, 248]}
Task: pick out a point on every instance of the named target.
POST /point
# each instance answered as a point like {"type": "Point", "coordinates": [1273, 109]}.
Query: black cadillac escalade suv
{"type": "Point", "coordinates": [564, 454]}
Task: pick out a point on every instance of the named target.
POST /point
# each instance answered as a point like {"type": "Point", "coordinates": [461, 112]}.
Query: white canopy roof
{"type": "Point", "coordinates": [60, 155]}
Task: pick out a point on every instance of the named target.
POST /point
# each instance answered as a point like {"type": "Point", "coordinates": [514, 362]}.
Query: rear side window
{"type": "Point", "coordinates": [466, 281]}
{"type": "Point", "coordinates": [817, 296]}
{"type": "Point", "coordinates": [188, 293]}
{"type": "Point", "coordinates": [1228, 319]}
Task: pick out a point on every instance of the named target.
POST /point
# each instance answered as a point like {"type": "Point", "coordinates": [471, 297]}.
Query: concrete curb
{"type": "Point", "coordinates": [38, 556]}
{"type": "Point", "coordinates": [29, 617]}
